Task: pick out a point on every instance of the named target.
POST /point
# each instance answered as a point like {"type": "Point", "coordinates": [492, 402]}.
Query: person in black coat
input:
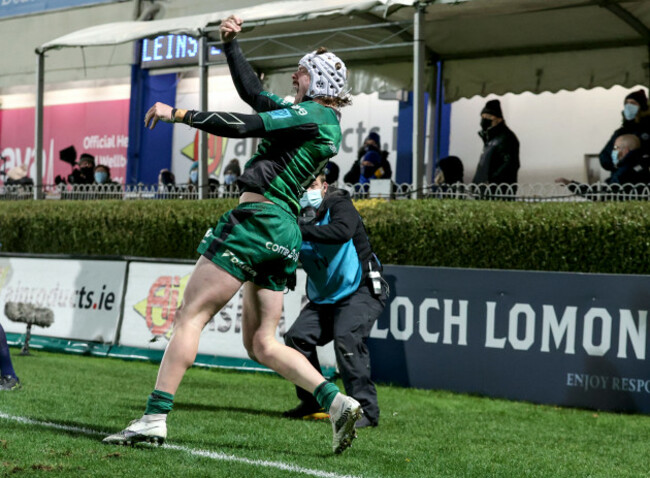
{"type": "Point", "coordinates": [499, 162]}
{"type": "Point", "coordinates": [636, 121]}
{"type": "Point", "coordinates": [346, 296]}
{"type": "Point", "coordinates": [631, 174]}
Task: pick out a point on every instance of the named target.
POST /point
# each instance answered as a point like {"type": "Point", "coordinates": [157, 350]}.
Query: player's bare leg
{"type": "Point", "coordinates": [208, 290]}
{"type": "Point", "coordinates": [262, 309]}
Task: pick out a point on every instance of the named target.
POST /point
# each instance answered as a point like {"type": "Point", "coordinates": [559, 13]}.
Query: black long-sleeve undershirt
{"type": "Point", "coordinates": [246, 82]}
{"type": "Point", "coordinates": [230, 125]}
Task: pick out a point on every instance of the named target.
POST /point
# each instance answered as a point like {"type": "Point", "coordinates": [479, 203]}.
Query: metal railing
{"type": "Point", "coordinates": [548, 192]}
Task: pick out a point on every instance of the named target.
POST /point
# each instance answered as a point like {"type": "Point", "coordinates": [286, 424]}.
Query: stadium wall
{"type": "Point", "coordinates": [567, 339]}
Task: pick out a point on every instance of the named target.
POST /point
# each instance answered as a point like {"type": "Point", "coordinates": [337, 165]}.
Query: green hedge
{"type": "Point", "coordinates": [580, 237]}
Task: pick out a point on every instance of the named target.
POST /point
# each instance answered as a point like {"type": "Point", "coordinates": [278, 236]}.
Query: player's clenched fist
{"type": "Point", "coordinates": [229, 28]}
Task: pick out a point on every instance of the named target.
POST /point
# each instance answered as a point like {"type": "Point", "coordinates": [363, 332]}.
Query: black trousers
{"type": "Point", "coordinates": [348, 323]}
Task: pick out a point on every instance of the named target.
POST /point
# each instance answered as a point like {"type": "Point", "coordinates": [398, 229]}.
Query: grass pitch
{"type": "Point", "coordinates": [229, 424]}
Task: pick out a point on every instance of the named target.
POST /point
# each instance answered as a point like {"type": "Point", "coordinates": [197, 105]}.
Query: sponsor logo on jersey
{"type": "Point", "coordinates": [283, 251]}
{"type": "Point", "coordinates": [278, 114]}
{"type": "Point", "coordinates": [238, 262]}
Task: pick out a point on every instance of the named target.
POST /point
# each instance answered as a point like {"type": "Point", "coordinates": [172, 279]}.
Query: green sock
{"type": "Point", "coordinates": [325, 394]}
{"type": "Point", "coordinates": [159, 402]}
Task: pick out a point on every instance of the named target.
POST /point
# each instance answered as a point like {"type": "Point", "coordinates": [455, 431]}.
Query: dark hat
{"type": "Point", "coordinates": [68, 155]}
{"type": "Point", "coordinates": [640, 97]}
{"type": "Point", "coordinates": [493, 107]}
{"type": "Point", "coordinates": [87, 157]}
{"type": "Point", "coordinates": [375, 137]}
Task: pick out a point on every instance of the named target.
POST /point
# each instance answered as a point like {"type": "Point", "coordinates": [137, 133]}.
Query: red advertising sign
{"type": "Point", "coordinates": [97, 128]}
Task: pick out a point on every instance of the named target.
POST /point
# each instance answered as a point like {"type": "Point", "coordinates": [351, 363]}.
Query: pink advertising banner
{"type": "Point", "coordinates": [97, 128]}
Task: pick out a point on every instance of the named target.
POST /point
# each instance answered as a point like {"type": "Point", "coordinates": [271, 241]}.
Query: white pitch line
{"type": "Point", "coordinates": [202, 453]}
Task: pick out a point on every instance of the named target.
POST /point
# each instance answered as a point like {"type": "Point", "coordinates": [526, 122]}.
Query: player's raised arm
{"type": "Point", "coordinates": [244, 77]}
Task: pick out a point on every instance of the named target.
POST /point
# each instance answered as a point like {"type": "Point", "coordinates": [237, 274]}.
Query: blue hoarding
{"type": "Point", "coordinates": [11, 8]}
{"type": "Point", "coordinates": [557, 338]}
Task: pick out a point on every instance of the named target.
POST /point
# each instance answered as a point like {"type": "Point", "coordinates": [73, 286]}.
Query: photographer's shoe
{"type": "Point", "coordinates": [306, 411]}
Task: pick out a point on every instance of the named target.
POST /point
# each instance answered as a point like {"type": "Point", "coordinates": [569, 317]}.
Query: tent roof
{"type": "Point", "coordinates": [487, 46]}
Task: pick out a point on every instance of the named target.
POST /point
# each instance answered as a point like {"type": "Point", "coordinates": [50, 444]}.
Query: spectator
{"type": "Point", "coordinates": [499, 162]}
{"type": "Point", "coordinates": [636, 120]}
{"type": "Point", "coordinates": [103, 175]}
{"type": "Point", "coordinates": [85, 174]}
{"type": "Point", "coordinates": [166, 184]}
{"type": "Point", "coordinates": [18, 177]}
{"type": "Point", "coordinates": [631, 174]}
{"type": "Point", "coordinates": [450, 171]}
{"type": "Point", "coordinates": [449, 176]}
{"type": "Point", "coordinates": [166, 180]}
{"type": "Point", "coordinates": [344, 300]}
{"type": "Point", "coordinates": [372, 162]}
{"type": "Point", "coordinates": [8, 379]}
{"type": "Point", "coordinates": [331, 172]}
{"type": "Point", "coordinates": [230, 176]}
{"type": "Point", "coordinates": [104, 186]}
{"type": "Point", "coordinates": [193, 179]}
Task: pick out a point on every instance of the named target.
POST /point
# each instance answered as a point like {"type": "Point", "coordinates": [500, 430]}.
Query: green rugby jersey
{"type": "Point", "coordinates": [303, 138]}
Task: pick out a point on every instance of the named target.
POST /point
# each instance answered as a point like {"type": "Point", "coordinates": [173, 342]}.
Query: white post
{"type": "Point", "coordinates": [38, 126]}
{"type": "Point", "coordinates": [418, 100]}
{"type": "Point", "coordinates": [203, 136]}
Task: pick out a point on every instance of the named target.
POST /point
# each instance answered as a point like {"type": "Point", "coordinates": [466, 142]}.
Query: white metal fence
{"type": "Point", "coordinates": [375, 189]}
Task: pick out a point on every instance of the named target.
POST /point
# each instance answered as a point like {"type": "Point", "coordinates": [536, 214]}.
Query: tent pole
{"type": "Point", "coordinates": [38, 126]}
{"type": "Point", "coordinates": [432, 125]}
{"type": "Point", "coordinates": [418, 100]}
{"type": "Point", "coordinates": [203, 101]}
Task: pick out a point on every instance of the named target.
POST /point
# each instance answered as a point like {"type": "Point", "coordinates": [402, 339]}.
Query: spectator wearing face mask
{"type": "Point", "coordinates": [499, 162]}
{"type": "Point", "coordinates": [104, 184]}
{"type": "Point", "coordinates": [372, 162]}
{"type": "Point", "coordinates": [346, 296]}
{"type": "Point", "coordinates": [636, 121]}
{"type": "Point", "coordinates": [193, 183]}
{"type": "Point", "coordinates": [631, 173]}
{"type": "Point", "coordinates": [230, 176]}
{"type": "Point", "coordinates": [193, 180]}
{"type": "Point", "coordinates": [102, 175]}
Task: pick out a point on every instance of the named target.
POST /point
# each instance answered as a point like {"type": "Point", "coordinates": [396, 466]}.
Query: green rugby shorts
{"type": "Point", "coordinates": [256, 242]}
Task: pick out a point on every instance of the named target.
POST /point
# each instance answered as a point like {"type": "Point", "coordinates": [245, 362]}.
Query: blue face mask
{"type": "Point", "coordinates": [194, 176]}
{"type": "Point", "coordinates": [615, 157]}
{"type": "Point", "coordinates": [101, 177]}
{"type": "Point", "coordinates": [630, 111]}
{"type": "Point", "coordinates": [312, 198]}
{"type": "Point", "coordinates": [229, 179]}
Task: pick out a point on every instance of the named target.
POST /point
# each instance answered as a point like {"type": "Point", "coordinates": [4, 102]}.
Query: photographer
{"type": "Point", "coordinates": [346, 295]}
{"type": "Point", "coordinates": [84, 174]}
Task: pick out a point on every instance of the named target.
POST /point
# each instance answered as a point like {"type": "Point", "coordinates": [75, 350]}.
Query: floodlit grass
{"type": "Point", "coordinates": [422, 433]}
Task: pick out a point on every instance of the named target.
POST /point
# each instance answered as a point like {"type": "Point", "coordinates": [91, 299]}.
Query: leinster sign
{"type": "Point", "coordinates": [560, 338]}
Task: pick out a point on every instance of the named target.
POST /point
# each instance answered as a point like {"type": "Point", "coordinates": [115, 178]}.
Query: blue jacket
{"type": "Point", "coordinates": [335, 252]}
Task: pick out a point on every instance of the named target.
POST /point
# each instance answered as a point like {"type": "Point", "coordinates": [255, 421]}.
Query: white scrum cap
{"type": "Point", "coordinates": [327, 72]}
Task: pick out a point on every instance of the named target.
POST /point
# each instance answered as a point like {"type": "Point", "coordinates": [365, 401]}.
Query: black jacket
{"type": "Point", "coordinates": [640, 129]}
{"type": "Point", "coordinates": [499, 161]}
{"type": "Point", "coordinates": [632, 169]}
{"type": "Point", "coordinates": [345, 224]}
{"type": "Point", "coordinates": [629, 180]}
